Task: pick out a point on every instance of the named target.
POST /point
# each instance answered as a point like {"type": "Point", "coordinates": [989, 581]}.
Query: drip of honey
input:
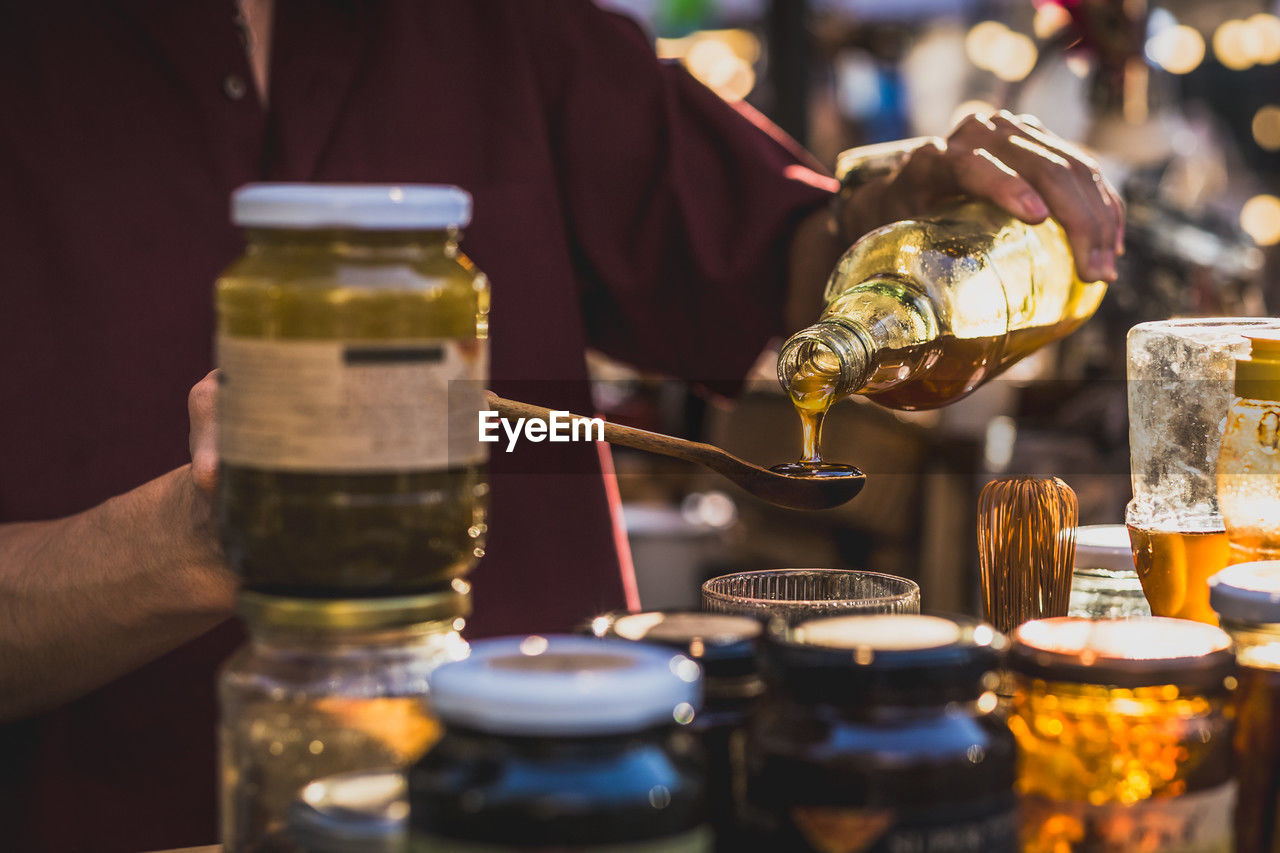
{"type": "Point", "coordinates": [813, 391]}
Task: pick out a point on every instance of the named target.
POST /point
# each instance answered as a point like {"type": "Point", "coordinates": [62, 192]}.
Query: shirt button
{"type": "Point", "coordinates": [234, 87]}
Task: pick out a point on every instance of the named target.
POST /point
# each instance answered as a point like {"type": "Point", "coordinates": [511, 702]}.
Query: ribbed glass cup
{"type": "Point", "coordinates": [795, 595]}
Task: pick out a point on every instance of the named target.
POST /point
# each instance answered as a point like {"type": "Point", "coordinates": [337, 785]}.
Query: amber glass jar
{"type": "Point", "coordinates": [878, 733]}
{"type": "Point", "coordinates": [353, 356]}
{"type": "Point", "coordinates": [324, 688]}
{"type": "Point", "coordinates": [725, 645]}
{"type": "Point", "coordinates": [1124, 729]}
{"type": "Point", "coordinates": [1246, 598]}
{"type": "Point", "coordinates": [562, 743]}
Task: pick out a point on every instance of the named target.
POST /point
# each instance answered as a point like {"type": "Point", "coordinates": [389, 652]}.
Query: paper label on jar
{"type": "Point", "coordinates": [1200, 822]}
{"type": "Point", "coordinates": [350, 406]}
{"type": "Point", "coordinates": [836, 829]}
{"type": "Point", "coordinates": [698, 841]}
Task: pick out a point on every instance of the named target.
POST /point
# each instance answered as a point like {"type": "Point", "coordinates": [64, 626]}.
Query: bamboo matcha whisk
{"type": "Point", "coordinates": [1026, 547]}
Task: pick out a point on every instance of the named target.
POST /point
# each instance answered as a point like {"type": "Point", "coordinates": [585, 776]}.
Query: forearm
{"type": "Point", "coordinates": [88, 598]}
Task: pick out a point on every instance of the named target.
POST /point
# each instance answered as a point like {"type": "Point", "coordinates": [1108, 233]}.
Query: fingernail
{"type": "Point", "coordinates": [1032, 205]}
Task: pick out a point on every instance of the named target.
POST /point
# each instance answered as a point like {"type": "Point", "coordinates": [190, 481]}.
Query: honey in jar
{"type": "Point", "coordinates": [1124, 735]}
{"type": "Point", "coordinates": [352, 345]}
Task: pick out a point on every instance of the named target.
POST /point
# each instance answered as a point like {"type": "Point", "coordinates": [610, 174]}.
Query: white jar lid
{"type": "Point", "coordinates": [1104, 546]}
{"type": "Point", "coordinates": [566, 686]}
{"type": "Point", "coordinates": [1247, 592]}
{"type": "Point", "coordinates": [385, 207]}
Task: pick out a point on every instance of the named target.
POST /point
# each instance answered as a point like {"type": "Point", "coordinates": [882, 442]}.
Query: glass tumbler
{"type": "Point", "coordinates": [796, 595]}
{"type": "Point", "coordinates": [1180, 386]}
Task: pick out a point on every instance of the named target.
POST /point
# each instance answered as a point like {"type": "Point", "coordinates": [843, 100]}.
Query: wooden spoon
{"type": "Point", "coordinates": [825, 487]}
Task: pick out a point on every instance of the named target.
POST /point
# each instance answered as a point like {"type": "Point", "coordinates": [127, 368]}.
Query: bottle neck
{"type": "Point", "coordinates": [871, 337]}
{"type": "Point", "coordinates": [834, 354]}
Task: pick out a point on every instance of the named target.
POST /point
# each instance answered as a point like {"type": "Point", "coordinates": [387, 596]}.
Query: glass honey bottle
{"type": "Point", "coordinates": [352, 348]}
{"type": "Point", "coordinates": [921, 312]}
{"type": "Point", "coordinates": [1249, 460]}
{"type": "Point", "coordinates": [325, 689]}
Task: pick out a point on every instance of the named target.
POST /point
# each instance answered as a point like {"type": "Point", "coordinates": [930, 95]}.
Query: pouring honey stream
{"type": "Point", "coordinates": [813, 390]}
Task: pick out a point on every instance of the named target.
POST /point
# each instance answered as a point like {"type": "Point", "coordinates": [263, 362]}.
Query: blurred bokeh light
{"type": "Point", "coordinates": [1260, 218]}
{"type": "Point", "coordinates": [1266, 127]}
{"type": "Point", "coordinates": [724, 60]}
{"type": "Point", "coordinates": [1241, 44]}
{"type": "Point", "coordinates": [1178, 49]}
{"type": "Point", "coordinates": [1009, 55]}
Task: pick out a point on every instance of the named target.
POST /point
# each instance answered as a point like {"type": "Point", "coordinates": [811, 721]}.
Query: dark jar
{"type": "Point", "coordinates": [725, 645]}
{"type": "Point", "coordinates": [1246, 598]}
{"type": "Point", "coordinates": [878, 733]}
{"type": "Point", "coordinates": [563, 743]}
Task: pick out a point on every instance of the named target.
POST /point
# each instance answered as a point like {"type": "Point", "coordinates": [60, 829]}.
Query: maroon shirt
{"type": "Point", "coordinates": [618, 204]}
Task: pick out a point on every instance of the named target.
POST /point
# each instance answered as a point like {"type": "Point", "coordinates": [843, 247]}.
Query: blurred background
{"type": "Point", "coordinates": [1179, 101]}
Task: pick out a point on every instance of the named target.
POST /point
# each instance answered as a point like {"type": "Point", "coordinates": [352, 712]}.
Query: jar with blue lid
{"type": "Point", "coordinates": [565, 743]}
{"type": "Point", "coordinates": [879, 733]}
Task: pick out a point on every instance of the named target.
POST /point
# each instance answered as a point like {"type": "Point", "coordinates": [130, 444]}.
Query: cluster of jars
{"type": "Point", "coordinates": [352, 354]}
{"type": "Point", "coordinates": [351, 336]}
{"type": "Point", "coordinates": [868, 732]}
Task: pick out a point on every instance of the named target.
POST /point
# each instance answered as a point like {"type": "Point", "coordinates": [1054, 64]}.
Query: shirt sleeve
{"type": "Point", "coordinates": [680, 207]}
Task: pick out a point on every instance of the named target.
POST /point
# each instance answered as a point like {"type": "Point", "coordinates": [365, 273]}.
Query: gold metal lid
{"type": "Point", "coordinates": [1258, 376]}
{"type": "Point", "coordinates": [356, 614]}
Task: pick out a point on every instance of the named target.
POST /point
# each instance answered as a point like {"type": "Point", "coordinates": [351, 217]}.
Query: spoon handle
{"type": "Point", "coordinates": [625, 436]}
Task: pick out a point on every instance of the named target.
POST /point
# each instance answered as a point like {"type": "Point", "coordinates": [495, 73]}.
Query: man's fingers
{"type": "Point", "coordinates": [202, 408]}
{"type": "Point", "coordinates": [1073, 200]}
{"type": "Point", "coordinates": [1017, 164]}
{"type": "Point", "coordinates": [981, 173]}
{"type": "Point", "coordinates": [1117, 206]}
{"type": "Point", "coordinates": [1054, 176]}
{"type": "Point", "coordinates": [1093, 198]}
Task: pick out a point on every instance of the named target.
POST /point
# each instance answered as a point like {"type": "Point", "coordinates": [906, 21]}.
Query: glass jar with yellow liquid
{"type": "Point", "coordinates": [1180, 388]}
{"type": "Point", "coordinates": [1249, 462]}
{"type": "Point", "coordinates": [353, 356]}
{"type": "Point", "coordinates": [1124, 735]}
{"type": "Point", "coordinates": [921, 312]}
{"type": "Point", "coordinates": [326, 688]}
